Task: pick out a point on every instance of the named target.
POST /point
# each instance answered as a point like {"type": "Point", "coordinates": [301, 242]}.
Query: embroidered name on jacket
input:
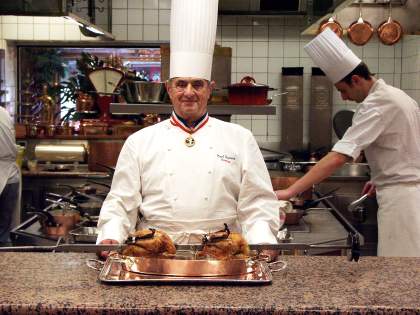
{"type": "Point", "coordinates": [226, 158]}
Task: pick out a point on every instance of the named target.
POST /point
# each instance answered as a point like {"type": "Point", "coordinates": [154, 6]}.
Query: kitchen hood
{"type": "Point", "coordinates": [278, 7]}
{"type": "Point", "coordinates": [57, 8]}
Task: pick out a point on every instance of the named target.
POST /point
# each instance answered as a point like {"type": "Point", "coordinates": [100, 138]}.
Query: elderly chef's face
{"type": "Point", "coordinates": [189, 96]}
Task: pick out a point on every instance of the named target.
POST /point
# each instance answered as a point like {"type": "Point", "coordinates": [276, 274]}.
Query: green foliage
{"type": "Point", "coordinates": [44, 65]}
{"type": "Point", "coordinates": [80, 81]}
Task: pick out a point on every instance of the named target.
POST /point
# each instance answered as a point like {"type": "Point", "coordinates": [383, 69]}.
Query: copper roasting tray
{"type": "Point", "coordinates": [119, 269]}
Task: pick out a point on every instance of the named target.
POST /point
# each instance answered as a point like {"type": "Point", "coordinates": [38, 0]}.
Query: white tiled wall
{"type": "Point", "coordinates": [261, 47]}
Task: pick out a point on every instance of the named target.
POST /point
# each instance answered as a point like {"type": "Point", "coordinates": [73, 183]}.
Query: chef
{"type": "Point", "coordinates": [9, 176]}
{"type": "Point", "coordinates": [386, 126]}
{"type": "Point", "coordinates": [192, 173]}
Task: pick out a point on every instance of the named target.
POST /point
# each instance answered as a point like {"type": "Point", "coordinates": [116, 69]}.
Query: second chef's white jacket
{"type": "Point", "coordinates": [387, 127]}
{"type": "Point", "coordinates": [189, 191]}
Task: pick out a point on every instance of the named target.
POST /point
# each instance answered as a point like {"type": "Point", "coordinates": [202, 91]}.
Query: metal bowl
{"type": "Point", "coordinates": [353, 170]}
{"type": "Point", "coordinates": [145, 92]}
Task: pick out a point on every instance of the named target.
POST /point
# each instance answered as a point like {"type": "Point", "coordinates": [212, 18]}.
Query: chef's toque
{"type": "Point", "coordinates": [332, 55]}
{"type": "Point", "coordinates": [193, 33]}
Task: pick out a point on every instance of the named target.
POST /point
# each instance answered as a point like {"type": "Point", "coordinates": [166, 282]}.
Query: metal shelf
{"type": "Point", "coordinates": [127, 109]}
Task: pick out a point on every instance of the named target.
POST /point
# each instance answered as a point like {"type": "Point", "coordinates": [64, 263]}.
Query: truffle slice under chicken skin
{"type": "Point", "coordinates": [149, 243]}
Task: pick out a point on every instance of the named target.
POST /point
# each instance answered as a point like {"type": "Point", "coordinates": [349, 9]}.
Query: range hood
{"type": "Point", "coordinates": [278, 7]}
{"type": "Point", "coordinates": [56, 8]}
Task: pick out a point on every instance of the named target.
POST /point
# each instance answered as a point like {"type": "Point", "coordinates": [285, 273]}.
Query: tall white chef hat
{"type": "Point", "coordinates": [332, 55]}
{"type": "Point", "coordinates": [193, 33]}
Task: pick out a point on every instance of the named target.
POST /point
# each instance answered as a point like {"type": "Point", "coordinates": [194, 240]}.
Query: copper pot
{"type": "Point", "coordinates": [333, 25]}
{"type": "Point", "coordinates": [360, 31]}
{"type": "Point", "coordinates": [390, 31]}
{"type": "Point", "coordinates": [57, 223]}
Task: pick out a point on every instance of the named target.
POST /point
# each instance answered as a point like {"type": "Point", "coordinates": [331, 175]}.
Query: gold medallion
{"type": "Point", "coordinates": [189, 141]}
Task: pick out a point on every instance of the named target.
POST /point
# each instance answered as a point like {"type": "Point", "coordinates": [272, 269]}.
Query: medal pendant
{"type": "Point", "coordinates": [189, 141]}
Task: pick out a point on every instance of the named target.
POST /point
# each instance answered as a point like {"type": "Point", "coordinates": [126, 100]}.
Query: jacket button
{"type": "Point", "coordinates": [206, 198]}
{"type": "Point", "coordinates": [169, 149]}
{"type": "Point", "coordinates": [210, 172]}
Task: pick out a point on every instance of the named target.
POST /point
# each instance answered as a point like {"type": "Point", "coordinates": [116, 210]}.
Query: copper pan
{"type": "Point", "coordinates": [57, 223]}
{"type": "Point", "coordinates": [360, 31]}
{"type": "Point", "coordinates": [333, 25]}
{"type": "Point", "coordinates": [390, 31]}
{"type": "Point", "coordinates": [187, 267]}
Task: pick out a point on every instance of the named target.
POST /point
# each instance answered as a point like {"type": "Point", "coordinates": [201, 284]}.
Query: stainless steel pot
{"type": "Point", "coordinates": [353, 170]}
{"type": "Point", "coordinates": [145, 92]}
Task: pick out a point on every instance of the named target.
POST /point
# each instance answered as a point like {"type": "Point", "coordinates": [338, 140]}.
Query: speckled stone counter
{"type": "Point", "coordinates": [61, 283]}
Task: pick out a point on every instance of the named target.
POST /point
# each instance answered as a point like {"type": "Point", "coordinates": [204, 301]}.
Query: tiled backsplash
{"type": "Point", "coordinates": [260, 46]}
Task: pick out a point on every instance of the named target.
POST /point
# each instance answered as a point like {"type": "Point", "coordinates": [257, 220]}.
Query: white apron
{"type": "Point", "coordinates": [399, 220]}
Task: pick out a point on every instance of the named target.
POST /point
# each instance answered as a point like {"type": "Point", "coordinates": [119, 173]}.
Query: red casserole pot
{"type": "Point", "coordinates": [248, 92]}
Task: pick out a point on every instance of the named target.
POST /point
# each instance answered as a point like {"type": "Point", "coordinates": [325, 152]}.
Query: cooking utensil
{"type": "Point", "coordinates": [352, 170]}
{"type": "Point", "coordinates": [352, 207]}
{"type": "Point", "coordinates": [86, 234]}
{"type": "Point", "coordinates": [248, 92]}
{"type": "Point", "coordinates": [113, 271]}
{"type": "Point", "coordinates": [145, 92]}
{"type": "Point", "coordinates": [360, 31]}
{"type": "Point", "coordinates": [57, 222]}
{"type": "Point", "coordinates": [342, 121]}
{"type": "Point", "coordinates": [333, 25]}
{"type": "Point", "coordinates": [390, 31]}
{"type": "Point", "coordinates": [188, 268]}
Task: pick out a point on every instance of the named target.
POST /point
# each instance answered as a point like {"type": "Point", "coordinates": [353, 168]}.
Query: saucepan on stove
{"type": "Point", "coordinates": [87, 205]}
{"type": "Point", "coordinates": [297, 207]}
{"type": "Point", "coordinates": [57, 222]}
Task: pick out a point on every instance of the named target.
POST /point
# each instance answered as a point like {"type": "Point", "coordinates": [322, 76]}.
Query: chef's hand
{"type": "Point", "coordinates": [269, 254]}
{"type": "Point", "coordinates": [369, 189]}
{"type": "Point", "coordinates": [284, 194]}
{"type": "Point", "coordinates": [104, 254]}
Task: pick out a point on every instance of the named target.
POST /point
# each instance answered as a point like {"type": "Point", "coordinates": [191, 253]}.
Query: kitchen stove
{"type": "Point", "coordinates": [31, 231]}
{"type": "Point", "coordinates": [301, 227]}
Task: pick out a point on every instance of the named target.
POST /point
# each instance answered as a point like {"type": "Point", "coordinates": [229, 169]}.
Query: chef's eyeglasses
{"type": "Point", "coordinates": [197, 84]}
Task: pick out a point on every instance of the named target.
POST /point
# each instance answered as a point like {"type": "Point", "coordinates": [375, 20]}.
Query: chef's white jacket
{"type": "Point", "coordinates": [189, 191]}
{"type": "Point", "coordinates": [387, 127]}
{"type": "Point", "coordinates": [8, 169]}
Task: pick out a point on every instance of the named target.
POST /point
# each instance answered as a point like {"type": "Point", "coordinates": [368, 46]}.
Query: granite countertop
{"type": "Point", "coordinates": [61, 283]}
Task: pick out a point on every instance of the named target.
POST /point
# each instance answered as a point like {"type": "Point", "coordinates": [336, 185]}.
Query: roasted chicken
{"type": "Point", "coordinates": [224, 245]}
{"type": "Point", "coordinates": [149, 243]}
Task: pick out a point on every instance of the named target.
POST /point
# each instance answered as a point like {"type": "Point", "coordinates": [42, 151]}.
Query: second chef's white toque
{"type": "Point", "coordinates": [332, 55]}
{"type": "Point", "coordinates": [192, 37]}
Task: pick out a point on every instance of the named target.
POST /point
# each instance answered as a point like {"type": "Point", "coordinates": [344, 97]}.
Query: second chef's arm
{"type": "Point", "coordinates": [323, 169]}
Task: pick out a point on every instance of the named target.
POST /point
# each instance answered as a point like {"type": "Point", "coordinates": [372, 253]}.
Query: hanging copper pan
{"type": "Point", "coordinates": [333, 25]}
{"type": "Point", "coordinates": [390, 31]}
{"type": "Point", "coordinates": [360, 31]}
